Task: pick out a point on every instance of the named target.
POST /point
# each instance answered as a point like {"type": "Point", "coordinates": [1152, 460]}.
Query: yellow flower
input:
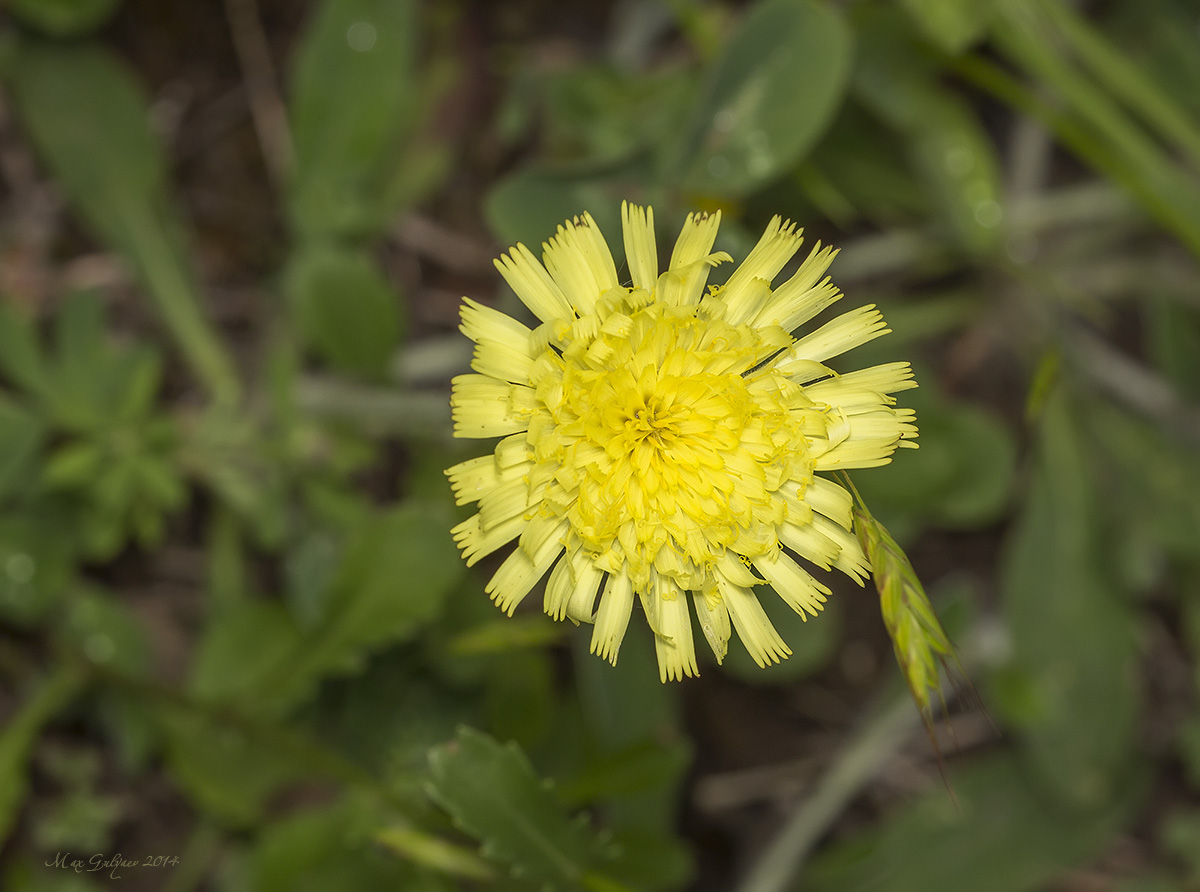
{"type": "Point", "coordinates": [661, 441]}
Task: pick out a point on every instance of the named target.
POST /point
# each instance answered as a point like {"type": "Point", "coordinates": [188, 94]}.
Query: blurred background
{"type": "Point", "coordinates": [237, 645]}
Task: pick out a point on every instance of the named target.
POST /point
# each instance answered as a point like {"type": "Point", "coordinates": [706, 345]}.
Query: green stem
{"type": "Point", "coordinates": [377, 410]}
{"type": "Point", "coordinates": [876, 742]}
{"type": "Point", "coordinates": [174, 297]}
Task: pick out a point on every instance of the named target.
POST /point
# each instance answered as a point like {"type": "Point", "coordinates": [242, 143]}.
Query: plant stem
{"type": "Point", "coordinates": [175, 298]}
{"type": "Point", "coordinates": [877, 740]}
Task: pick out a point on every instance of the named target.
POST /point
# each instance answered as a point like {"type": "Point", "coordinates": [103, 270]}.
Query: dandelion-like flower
{"type": "Point", "coordinates": [664, 442]}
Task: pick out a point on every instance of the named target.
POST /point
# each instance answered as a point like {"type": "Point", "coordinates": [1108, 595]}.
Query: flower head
{"type": "Point", "coordinates": [663, 442]}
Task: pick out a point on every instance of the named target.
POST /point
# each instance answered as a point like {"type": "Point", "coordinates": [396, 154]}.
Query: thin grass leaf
{"type": "Point", "coordinates": [1093, 125]}
{"type": "Point", "coordinates": [1126, 80]}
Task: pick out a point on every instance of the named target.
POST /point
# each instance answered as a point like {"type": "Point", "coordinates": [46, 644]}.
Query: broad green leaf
{"type": "Point", "coordinates": [493, 794]}
{"type": "Point", "coordinates": [1005, 836]}
{"type": "Point", "coordinates": [1071, 684]}
{"type": "Point", "coordinates": [395, 572]}
{"type": "Point", "coordinates": [604, 112]}
{"type": "Point", "coordinates": [356, 95]}
{"type": "Point", "coordinates": [345, 308]}
{"type": "Point", "coordinates": [90, 382]}
{"type": "Point", "coordinates": [622, 772]}
{"type": "Point", "coordinates": [240, 648]}
{"type": "Point", "coordinates": [387, 718]}
{"type": "Point", "coordinates": [78, 816]}
{"type": "Point", "coordinates": [19, 735]}
{"type": "Point", "coordinates": [227, 771]}
{"type": "Point", "coordinates": [528, 206]}
{"type": "Point", "coordinates": [309, 567]}
{"type": "Point", "coordinates": [766, 100]}
{"type": "Point", "coordinates": [953, 25]}
{"type": "Point", "coordinates": [21, 436]}
{"type": "Point", "coordinates": [63, 18]}
{"type": "Point", "coordinates": [855, 171]}
{"type": "Point", "coordinates": [89, 120]}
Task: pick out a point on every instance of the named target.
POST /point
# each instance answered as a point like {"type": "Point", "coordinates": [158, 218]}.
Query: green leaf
{"type": "Point", "coordinates": [356, 95]}
{"type": "Point", "coordinates": [63, 18]}
{"type": "Point", "coordinates": [332, 848]}
{"type": "Point", "coordinates": [240, 648]}
{"type": "Point", "coordinates": [227, 772]}
{"type": "Point", "coordinates": [621, 713]}
{"type": "Point", "coordinates": [19, 735]}
{"type": "Point", "coordinates": [228, 452]}
{"type": "Point", "coordinates": [1126, 79]}
{"type": "Point", "coordinates": [1005, 836]}
{"type": "Point", "coordinates": [1071, 684]}
{"type": "Point", "coordinates": [604, 112]}
{"type": "Point", "coordinates": [855, 170]}
{"type": "Point", "coordinates": [766, 100]}
{"type": "Point", "coordinates": [953, 25]}
{"type": "Point", "coordinates": [396, 570]}
{"type": "Point", "coordinates": [1087, 118]}
{"type": "Point", "coordinates": [21, 436]}
{"type": "Point", "coordinates": [528, 206]}
{"type": "Point", "coordinates": [493, 794]}
{"type": "Point", "coordinates": [91, 382]}
{"type": "Point", "coordinates": [435, 852]}
{"type": "Point", "coordinates": [89, 120]}
{"type": "Point", "coordinates": [345, 308]}
{"type": "Point", "coordinates": [943, 138]}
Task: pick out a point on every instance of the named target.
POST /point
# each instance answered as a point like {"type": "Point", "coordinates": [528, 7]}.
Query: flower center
{"type": "Point", "coordinates": [666, 453]}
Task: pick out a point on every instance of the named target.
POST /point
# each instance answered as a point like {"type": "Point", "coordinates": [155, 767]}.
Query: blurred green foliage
{"type": "Point", "coordinates": [1016, 183]}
